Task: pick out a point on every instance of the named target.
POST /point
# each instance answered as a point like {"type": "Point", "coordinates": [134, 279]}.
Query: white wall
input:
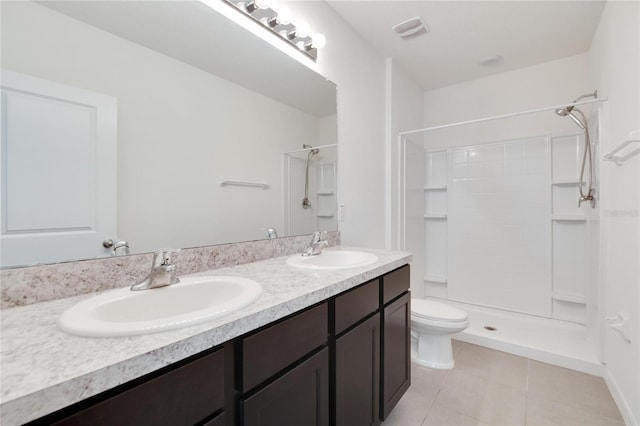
{"type": "Point", "coordinates": [176, 138]}
{"type": "Point", "coordinates": [359, 72]}
{"type": "Point", "coordinates": [405, 108]}
{"type": "Point", "coordinates": [548, 84]}
{"type": "Point", "coordinates": [614, 61]}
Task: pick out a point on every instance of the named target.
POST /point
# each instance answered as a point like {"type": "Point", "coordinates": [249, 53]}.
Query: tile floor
{"type": "Point", "coordinates": [489, 387]}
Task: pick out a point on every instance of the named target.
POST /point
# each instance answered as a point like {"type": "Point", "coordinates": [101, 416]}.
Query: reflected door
{"type": "Point", "coordinates": [58, 171]}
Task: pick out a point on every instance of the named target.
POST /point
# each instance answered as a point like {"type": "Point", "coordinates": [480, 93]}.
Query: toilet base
{"type": "Point", "coordinates": [433, 351]}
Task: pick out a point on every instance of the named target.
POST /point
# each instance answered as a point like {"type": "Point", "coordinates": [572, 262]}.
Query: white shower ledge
{"type": "Point", "coordinates": [44, 369]}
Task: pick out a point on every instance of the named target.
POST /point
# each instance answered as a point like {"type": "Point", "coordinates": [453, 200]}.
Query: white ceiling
{"type": "Point", "coordinates": [461, 33]}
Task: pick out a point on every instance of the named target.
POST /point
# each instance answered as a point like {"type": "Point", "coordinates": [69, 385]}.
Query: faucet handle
{"type": "Point", "coordinates": [163, 256]}
{"type": "Point", "coordinates": [318, 236]}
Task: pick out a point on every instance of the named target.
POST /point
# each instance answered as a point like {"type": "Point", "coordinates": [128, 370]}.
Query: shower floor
{"type": "Point", "coordinates": [560, 343]}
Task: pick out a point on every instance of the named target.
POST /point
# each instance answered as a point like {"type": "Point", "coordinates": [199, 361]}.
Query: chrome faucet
{"type": "Point", "coordinates": [317, 242]}
{"type": "Point", "coordinates": [162, 272]}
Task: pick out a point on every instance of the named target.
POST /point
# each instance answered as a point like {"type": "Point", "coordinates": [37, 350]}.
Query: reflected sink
{"type": "Point", "coordinates": [334, 259]}
{"type": "Point", "coordinates": [123, 312]}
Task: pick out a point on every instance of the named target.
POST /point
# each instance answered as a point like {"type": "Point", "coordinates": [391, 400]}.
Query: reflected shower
{"type": "Point", "coordinates": [568, 111]}
{"type": "Point", "coordinates": [306, 204]}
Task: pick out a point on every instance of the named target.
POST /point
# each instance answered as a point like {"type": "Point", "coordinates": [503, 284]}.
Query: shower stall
{"type": "Point", "coordinates": [502, 217]}
{"type": "Point", "coordinates": [310, 189]}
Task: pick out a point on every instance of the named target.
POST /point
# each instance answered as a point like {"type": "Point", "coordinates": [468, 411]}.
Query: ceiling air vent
{"type": "Point", "coordinates": [411, 27]}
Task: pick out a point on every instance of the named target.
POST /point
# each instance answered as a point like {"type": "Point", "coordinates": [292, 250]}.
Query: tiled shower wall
{"type": "Point", "coordinates": [499, 235]}
{"type": "Point", "coordinates": [502, 227]}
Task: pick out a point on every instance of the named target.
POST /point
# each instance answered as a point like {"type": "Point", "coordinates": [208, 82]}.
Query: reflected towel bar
{"type": "Point", "coordinates": [241, 183]}
{"type": "Point", "coordinates": [619, 159]}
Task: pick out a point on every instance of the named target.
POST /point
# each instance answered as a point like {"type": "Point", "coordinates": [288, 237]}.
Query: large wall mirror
{"type": "Point", "coordinates": [162, 124]}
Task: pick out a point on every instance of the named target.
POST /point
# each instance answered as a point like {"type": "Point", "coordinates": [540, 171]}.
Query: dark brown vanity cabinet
{"type": "Point", "coordinates": [342, 362]}
{"type": "Point", "coordinates": [372, 349]}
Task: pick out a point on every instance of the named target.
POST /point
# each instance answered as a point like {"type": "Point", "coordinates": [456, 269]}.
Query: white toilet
{"type": "Point", "coordinates": [432, 324]}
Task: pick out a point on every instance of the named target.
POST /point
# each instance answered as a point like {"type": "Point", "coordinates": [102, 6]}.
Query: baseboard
{"type": "Point", "coordinates": [624, 408]}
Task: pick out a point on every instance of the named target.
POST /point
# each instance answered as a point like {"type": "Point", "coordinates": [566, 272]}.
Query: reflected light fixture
{"type": "Point", "coordinates": [279, 21]}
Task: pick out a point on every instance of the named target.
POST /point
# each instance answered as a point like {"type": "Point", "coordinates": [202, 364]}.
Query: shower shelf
{"type": "Point", "coordinates": [436, 279]}
{"type": "Point", "coordinates": [436, 188]}
{"type": "Point", "coordinates": [569, 297]}
{"type": "Point", "coordinates": [569, 217]}
{"type": "Point", "coordinates": [325, 215]}
{"type": "Point", "coordinates": [324, 193]}
{"type": "Point", "coordinates": [435, 216]}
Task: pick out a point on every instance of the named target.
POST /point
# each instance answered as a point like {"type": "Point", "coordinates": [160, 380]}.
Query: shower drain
{"type": "Point", "coordinates": [490, 328]}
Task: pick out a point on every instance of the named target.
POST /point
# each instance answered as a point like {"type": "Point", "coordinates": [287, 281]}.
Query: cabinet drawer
{"type": "Point", "coordinates": [395, 283]}
{"type": "Point", "coordinates": [183, 396]}
{"type": "Point", "coordinates": [356, 304]}
{"type": "Point", "coordinates": [274, 348]}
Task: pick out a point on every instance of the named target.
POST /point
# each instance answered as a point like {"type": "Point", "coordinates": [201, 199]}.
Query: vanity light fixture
{"type": "Point", "coordinates": [279, 21]}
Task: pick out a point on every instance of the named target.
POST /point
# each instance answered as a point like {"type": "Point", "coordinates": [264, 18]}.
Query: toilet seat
{"type": "Point", "coordinates": [436, 311]}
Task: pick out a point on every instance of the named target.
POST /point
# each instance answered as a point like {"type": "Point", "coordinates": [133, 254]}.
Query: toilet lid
{"type": "Point", "coordinates": [430, 309]}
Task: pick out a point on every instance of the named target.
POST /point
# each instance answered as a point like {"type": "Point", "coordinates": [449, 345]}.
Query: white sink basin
{"type": "Point", "coordinates": [334, 259]}
{"type": "Point", "coordinates": [123, 312]}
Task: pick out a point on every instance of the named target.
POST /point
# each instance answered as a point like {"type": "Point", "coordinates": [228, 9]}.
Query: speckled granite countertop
{"type": "Point", "coordinates": [44, 369]}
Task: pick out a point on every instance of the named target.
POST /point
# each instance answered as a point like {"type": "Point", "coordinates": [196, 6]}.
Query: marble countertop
{"type": "Point", "coordinates": [44, 369]}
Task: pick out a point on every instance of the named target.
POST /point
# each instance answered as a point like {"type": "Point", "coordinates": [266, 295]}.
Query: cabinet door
{"type": "Point", "coordinates": [358, 375]}
{"type": "Point", "coordinates": [300, 397]}
{"type": "Point", "coordinates": [396, 352]}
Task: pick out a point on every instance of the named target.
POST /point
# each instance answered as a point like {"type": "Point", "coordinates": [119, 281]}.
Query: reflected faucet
{"type": "Point", "coordinates": [318, 241]}
{"type": "Point", "coordinates": [162, 272]}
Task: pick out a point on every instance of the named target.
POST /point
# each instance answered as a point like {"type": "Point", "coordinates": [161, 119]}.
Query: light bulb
{"type": "Point", "coordinates": [319, 41]}
{"type": "Point", "coordinates": [302, 30]}
{"type": "Point", "coordinates": [284, 15]}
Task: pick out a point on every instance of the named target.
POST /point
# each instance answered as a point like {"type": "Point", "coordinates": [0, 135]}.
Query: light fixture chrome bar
{"type": "Point", "coordinates": [270, 20]}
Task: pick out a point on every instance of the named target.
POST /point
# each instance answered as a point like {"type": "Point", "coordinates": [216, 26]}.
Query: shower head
{"type": "Point", "coordinates": [563, 112]}
{"type": "Point", "coordinates": [312, 150]}
{"type": "Point", "coordinates": [567, 112]}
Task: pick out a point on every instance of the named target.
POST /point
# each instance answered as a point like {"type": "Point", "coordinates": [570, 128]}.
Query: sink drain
{"type": "Point", "coordinates": [490, 328]}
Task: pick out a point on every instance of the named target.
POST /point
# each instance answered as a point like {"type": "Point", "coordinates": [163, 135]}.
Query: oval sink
{"type": "Point", "coordinates": [334, 259]}
{"type": "Point", "coordinates": [123, 312]}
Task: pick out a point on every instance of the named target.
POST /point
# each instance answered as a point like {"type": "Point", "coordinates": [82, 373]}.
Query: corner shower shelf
{"type": "Point", "coordinates": [569, 297]}
{"type": "Point", "coordinates": [436, 279]}
{"type": "Point", "coordinates": [569, 217]}
{"type": "Point", "coordinates": [324, 193]}
{"type": "Point", "coordinates": [436, 188]}
{"type": "Point", "coordinates": [565, 181]}
{"type": "Point", "coordinates": [325, 215]}
{"type": "Point", "coordinates": [439, 216]}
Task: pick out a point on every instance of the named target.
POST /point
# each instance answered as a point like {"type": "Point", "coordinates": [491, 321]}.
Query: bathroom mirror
{"type": "Point", "coordinates": [205, 117]}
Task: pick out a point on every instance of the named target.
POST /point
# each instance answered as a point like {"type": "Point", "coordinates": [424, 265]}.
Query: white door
{"type": "Point", "coordinates": [57, 171]}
